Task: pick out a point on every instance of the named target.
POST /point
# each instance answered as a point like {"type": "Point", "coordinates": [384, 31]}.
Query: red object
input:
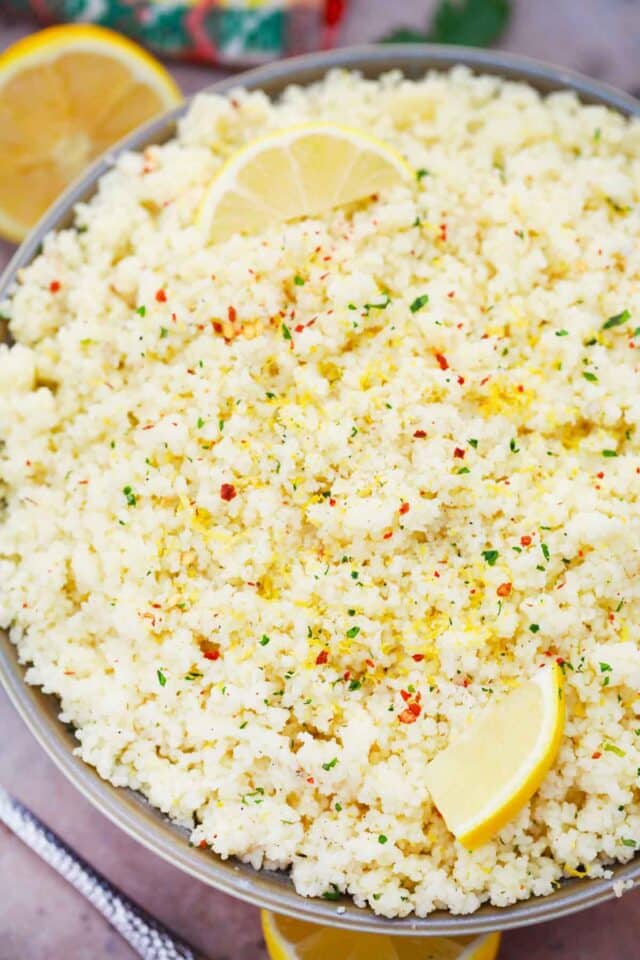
{"type": "Point", "coordinates": [228, 491]}
{"type": "Point", "coordinates": [504, 590]}
{"type": "Point", "coordinates": [322, 657]}
{"type": "Point", "coordinates": [443, 363]}
{"type": "Point", "coordinates": [161, 296]}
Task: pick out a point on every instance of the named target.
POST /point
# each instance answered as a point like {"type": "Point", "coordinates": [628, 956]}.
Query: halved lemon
{"type": "Point", "coordinates": [66, 94]}
{"type": "Point", "coordinates": [289, 939]}
{"type": "Point", "coordinates": [483, 778]}
{"type": "Point", "coordinates": [297, 172]}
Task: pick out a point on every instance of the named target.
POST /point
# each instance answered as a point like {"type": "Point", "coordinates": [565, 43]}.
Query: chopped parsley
{"type": "Point", "coordinates": [609, 453]}
{"type": "Point", "coordinates": [611, 748]}
{"type": "Point", "coordinates": [141, 311]}
{"type": "Point", "coordinates": [513, 446]}
{"type": "Point", "coordinates": [421, 174]}
{"type": "Point", "coordinates": [591, 377]}
{"type": "Point", "coordinates": [338, 807]}
{"type": "Point", "coordinates": [354, 685]}
{"type": "Point", "coordinates": [353, 632]}
{"type": "Point", "coordinates": [562, 333]}
{"type": "Point", "coordinates": [377, 306]}
{"type": "Point", "coordinates": [545, 551]}
{"type": "Point", "coordinates": [286, 333]}
{"type": "Point", "coordinates": [130, 495]}
{"type": "Point", "coordinates": [628, 842]}
{"type": "Point", "coordinates": [473, 443]}
{"type": "Point", "coordinates": [419, 303]}
{"type": "Point", "coordinates": [332, 894]}
{"type": "Point", "coordinates": [264, 640]}
{"type": "Point", "coordinates": [490, 556]}
{"type": "Point", "coordinates": [534, 627]}
{"type": "Point", "coordinates": [330, 765]}
{"type": "Point", "coordinates": [162, 680]}
{"type": "Point", "coordinates": [617, 320]}
{"type": "Point", "coordinates": [382, 838]}
{"type": "Point", "coordinates": [298, 280]}
{"type": "Point", "coordinates": [200, 423]}
{"type": "Point", "coordinates": [163, 332]}
{"type": "Point", "coordinates": [605, 668]}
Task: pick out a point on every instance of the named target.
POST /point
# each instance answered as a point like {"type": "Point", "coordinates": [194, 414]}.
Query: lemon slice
{"type": "Point", "coordinates": [289, 939]}
{"type": "Point", "coordinates": [66, 94]}
{"type": "Point", "coordinates": [484, 777]}
{"type": "Point", "coordinates": [297, 172]}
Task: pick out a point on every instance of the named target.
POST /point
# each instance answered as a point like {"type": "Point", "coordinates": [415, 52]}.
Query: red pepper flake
{"type": "Point", "coordinates": [466, 682]}
{"type": "Point", "coordinates": [299, 327]}
{"type": "Point", "coordinates": [322, 657]}
{"type": "Point", "coordinates": [436, 573]}
{"type": "Point", "coordinates": [600, 475]}
{"type": "Point", "coordinates": [611, 618]}
{"type": "Point", "coordinates": [25, 605]}
{"type": "Point", "coordinates": [406, 696]}
{"type": "Point", "coordinates": [443, 232]}
{"type": "Point", "coordinates": [161, 296]}
{"type": "Point", "coordinates": [370, 663]}
{"type": "Point", "coordinates": [310, 780]}
{"type": "Point", "coordinates": [387, 535]}
{"type": "Point", "coordinates": [451, 294]}
{"type": "Point", "coordinates": [560, 661]}
{"type": "Point", "coordinates": [525, 541]}
{"type": "Point", "coordinates": [415, 709]}
{"type": "Point", "coordinates": [417, 657]}
{"type": "Point", "coordinates": [459, 453]}
{"type": "Point", "coordinates": [332, 501]}
{"type": "Point", "coordinates": [203, 844]}
{"type": "Point", "coordinates": [520, 388]}
{"type": "Point", "coordinates": [228, 491]}
{"type": "Point", "coordinates": [442, 361]}
{"type": "Point", "coordinates": [404, 508]}
{"type": "Point", "coordinates": [54, 286]}
{"type": "Point", "coordinates": [217, 326]}
{"type": "Point", "coordinates": [461, 380]}
{"type": "Point", "coordinates": [346, 675]}
{"type": "Point", "coordinates": [485, 380]}
{"type": "Point", "coordinates": [596, 755]}
{"type": "Point", "coordinates": [504, 590]}
{"type": "Point", "coordinates": [231, 314]}
{"type": "Point", "coordinates": [212, 654]}
{"type": "Point", "coordinates": [420, 434]}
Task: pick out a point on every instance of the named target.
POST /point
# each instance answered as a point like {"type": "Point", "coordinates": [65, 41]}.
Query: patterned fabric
{"type": "Point", "coordinates": [216, 31]}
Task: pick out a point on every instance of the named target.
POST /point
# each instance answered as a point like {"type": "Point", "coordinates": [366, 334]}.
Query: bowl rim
{"type": "Point", "coordinates": [129, 810]}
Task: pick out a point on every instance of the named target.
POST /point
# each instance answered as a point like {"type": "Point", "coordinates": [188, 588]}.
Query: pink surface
{"type": "Point", "coordinates": [40, 916]}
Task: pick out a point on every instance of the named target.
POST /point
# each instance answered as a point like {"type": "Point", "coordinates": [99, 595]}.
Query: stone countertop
{"type": "Point", "coordinates": [40, 916]}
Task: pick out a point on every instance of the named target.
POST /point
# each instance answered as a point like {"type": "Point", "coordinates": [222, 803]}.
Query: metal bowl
{"type": "Point", "coordinates": [129, 809]}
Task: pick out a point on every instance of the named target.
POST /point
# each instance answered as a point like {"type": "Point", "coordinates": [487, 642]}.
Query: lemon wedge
{"type": "Point", "coordinates": [66, 94]}
{"type": "Point", "coordinates": [297, 172]}
{"type": "Point", "coordinates": [483, 778]}
{"type": "Point", "coordinates": [289, 939]}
